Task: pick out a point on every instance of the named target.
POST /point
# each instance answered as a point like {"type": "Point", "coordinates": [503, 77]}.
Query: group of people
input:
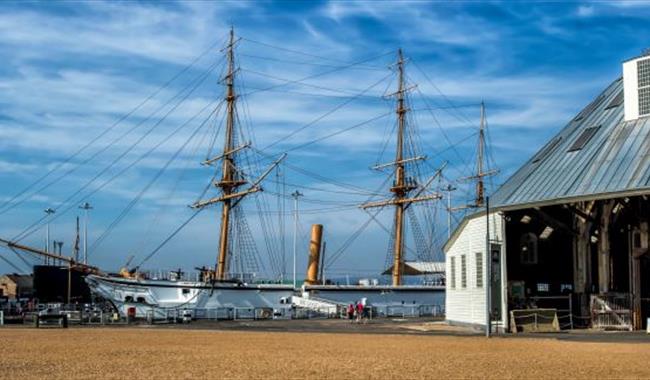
{"type": "Point", "coordinates": [357, 312]}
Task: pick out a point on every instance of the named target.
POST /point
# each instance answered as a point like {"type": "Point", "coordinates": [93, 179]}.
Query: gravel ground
{"type": "Point", "coordinates": [140, 352]}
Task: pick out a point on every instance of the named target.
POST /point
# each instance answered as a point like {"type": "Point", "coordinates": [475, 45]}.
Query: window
{"type": "Point", "coordinates": [583, 139]}
{"type": "Point", "coordinates": [643, 72]}
{"type": "Point", "coordinates": [463, 271]}
{"type": "Point", "coordinates": [590, 108]}
{"type": "Point", "coordinates": [543, 287]}
{"type": "Point", "coordinates": [479, 269]}
{"type": "Point", "coordinates": [453, 273]}
{"type": "Point", "coordinates": [644, 101]}
{"type": "Point", "coordinates": [547, 150]}
{"type": "Point", "coordinates": [528, 249]}
{"type": "Point", "coordinates": [617, 101]}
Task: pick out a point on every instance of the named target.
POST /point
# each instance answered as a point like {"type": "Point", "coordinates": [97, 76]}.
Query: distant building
{"type": "Point", "coordinates": [15, 286]}
{"type": "Point", "coordinates": [569, 229]}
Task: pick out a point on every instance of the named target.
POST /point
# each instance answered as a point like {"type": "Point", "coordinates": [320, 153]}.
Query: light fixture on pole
{"type": "Point", "coordinates": [48, 211]}
{"type": "Point", "coordinates": [449, 189]}
{"type": "Point", "coordinates": [296, 194]}
{"type": "Point", "coordinates": [86, 207]}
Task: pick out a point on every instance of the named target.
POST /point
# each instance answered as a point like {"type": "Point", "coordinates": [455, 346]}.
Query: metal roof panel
{"type": "Point", "coordinates": [615, 159]}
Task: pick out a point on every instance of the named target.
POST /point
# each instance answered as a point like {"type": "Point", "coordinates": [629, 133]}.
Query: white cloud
{"type": "Point", "coordinates": [585, 11]}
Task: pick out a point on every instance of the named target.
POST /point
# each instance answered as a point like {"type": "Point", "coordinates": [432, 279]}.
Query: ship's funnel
{"type": "Point", "coordinates": [314, 254]}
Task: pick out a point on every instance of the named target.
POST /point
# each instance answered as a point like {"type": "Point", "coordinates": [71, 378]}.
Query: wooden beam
{"type": "Point", "coordinates": [398, 201]}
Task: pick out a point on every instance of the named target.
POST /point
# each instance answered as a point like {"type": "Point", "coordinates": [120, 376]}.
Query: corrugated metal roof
{"type": "Point", "coordinates": [616, 159]}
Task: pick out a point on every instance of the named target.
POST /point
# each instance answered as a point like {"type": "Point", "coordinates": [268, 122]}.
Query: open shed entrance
{"type": "Point", "coordinates": [589, 260]}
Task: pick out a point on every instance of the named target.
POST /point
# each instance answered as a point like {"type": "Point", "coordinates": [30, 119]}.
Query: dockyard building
{"type": "Point", "coordinates": [16, 286]}
{"type": "Point", "coordinates": [568, 231]}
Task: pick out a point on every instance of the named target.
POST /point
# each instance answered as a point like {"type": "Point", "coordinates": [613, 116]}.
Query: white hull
{"type": "Point", "coordinates": [162, 297]}
{"type": "Point", "coordinates": [379, 295]}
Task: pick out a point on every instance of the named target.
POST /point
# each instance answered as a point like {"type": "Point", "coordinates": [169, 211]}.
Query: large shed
{"type": "Point", "coordinates": [569, 229]}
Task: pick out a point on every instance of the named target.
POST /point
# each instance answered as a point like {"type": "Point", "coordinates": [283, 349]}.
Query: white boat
{"type": "Point", "coordinates": [161, 298]}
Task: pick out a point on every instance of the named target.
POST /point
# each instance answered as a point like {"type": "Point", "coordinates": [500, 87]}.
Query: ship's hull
{"type": "Point", "coordinates": [161, 298]}
{"type": "Point", "coordinates": [380, 295]}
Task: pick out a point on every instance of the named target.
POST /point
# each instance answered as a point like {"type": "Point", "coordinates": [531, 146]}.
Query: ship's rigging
{"type": "Point", "coordinates": [240, 167]}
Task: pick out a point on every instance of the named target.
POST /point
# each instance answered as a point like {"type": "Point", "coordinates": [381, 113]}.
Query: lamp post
{"type": "Point", "coordinates": [449, 189]}
{"type": "Point", "coordinates": [48, 211]}
{"type": "Point", "coordinates": [86, 207]}
{"type": "Point", "coordinates": [296, 194]}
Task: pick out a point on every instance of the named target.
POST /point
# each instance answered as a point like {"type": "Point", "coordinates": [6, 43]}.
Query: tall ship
{"type": "Point", "coordinates": [410, 192]}
{"type": "Point", "coordinates": [216, 288]}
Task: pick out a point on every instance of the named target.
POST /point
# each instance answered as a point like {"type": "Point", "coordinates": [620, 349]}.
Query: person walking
{"type": "Point", "coordinates": [351, 312]}
{"type": "Point", "coordinates": [359, 311]}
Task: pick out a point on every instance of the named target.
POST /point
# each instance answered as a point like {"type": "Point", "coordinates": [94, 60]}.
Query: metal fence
{"type": "Point", "coordinates": [611, 311]}
{"type": "Point", "coordinates": [563, 305]}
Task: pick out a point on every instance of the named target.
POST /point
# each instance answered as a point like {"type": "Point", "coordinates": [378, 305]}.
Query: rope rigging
{"type": "Point", "coordinates": [122, 155]}
{"type": "Point", "coordinates": [243, 255]}
{"type": "Point", "coordinates": [12, 203]}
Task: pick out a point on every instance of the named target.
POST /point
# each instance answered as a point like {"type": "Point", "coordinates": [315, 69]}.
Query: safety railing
{"type": "Point", "coordinates": [611, 311]}
{"type": "Point", "coordinates": [563, 305]}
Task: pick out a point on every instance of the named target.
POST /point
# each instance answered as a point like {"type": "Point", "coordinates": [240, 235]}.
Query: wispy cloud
{"type": "Point", "coordinates": [70, 71]}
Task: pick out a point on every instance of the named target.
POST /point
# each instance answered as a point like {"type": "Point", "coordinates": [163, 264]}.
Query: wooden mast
{"type": "Point", "coordinates": [399, 189]}
{"type": "Point", "coordinates": [479, 198]}
{"type": "Point", "coordinates": [227, 183]}
{"type": "Point", "coordinates": [230, 180]}
{"type": "Point", "coordinates": [402, 184]}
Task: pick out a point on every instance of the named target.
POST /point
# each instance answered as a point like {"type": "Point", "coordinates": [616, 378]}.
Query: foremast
{"type": "Point", "coordinates": [403, 184]}
{"type": "Point", "coordinates": [228, 183]}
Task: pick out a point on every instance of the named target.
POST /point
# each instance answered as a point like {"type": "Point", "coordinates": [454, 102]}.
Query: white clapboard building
{"type": "Point", "coordinates": [569, 230]}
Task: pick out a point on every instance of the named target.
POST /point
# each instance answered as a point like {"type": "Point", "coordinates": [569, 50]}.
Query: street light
{"type": "Point", "coordinates": [86, 207]}
{"type": "Point", "coordinates": [48, 211]}
{"type": "Point", "coordinates": [449, 189]}
{"type": "Point", "coordinates": [296, 194]}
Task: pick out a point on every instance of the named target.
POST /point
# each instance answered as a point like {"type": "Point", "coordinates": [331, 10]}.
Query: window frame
{"type": "Point", "coordinates": [453, 272]}
{"type": "Point", "coordinates": [479, 269]}
{"type": "Point", "coordinates": [463, 271]}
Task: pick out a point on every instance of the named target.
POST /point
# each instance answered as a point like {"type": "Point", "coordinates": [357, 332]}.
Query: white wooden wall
{"type": "Point", "coordinates": [467, 305]}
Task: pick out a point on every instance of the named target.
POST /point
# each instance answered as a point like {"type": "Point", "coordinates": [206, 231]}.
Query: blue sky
{"type": "Point", "coordinates": [72, 69]}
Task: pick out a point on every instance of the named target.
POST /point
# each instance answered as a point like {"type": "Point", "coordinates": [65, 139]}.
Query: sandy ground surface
{"type": "Point", "coordinates": [146, 352]}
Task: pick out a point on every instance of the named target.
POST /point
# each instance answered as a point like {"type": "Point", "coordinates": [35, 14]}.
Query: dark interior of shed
{"type": "Point", "coordinates": [560, 256]}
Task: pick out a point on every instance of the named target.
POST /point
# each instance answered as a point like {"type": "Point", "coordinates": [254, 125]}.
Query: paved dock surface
{"type": "Point", "coordinates": [395, 349]}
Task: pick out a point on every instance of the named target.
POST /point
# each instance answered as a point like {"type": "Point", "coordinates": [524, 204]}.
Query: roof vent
{"type": "Point", "coordinates": [636, 86]}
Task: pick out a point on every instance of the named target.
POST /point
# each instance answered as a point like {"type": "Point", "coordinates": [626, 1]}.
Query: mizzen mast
{"type": "Point", "coordinates": [403, 184]}
{"type": "Point", "coordinates": [479, 198]}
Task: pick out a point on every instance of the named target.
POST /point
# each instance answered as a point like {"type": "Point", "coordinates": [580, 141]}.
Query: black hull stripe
{"type": "Point", "coordinates": [177, 285]}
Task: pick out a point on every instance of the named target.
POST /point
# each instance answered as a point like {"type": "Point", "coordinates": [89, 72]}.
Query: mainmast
{"type": "Point", "coordinates": [402, 184]}
{"type": "Point", "coordinates": [231, 179]}
{"type": "Point", "coordinates": [400, 188]}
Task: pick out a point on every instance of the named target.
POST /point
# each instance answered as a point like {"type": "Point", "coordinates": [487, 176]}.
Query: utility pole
{"type": "Point", "coordinates": [488, 265]}
{"type": "Point", "coordinates": [296, 194]}
{"type": "Point", "coordinates": [48, 211]}
{"type": "Point", "coordinates": [86, 207]}
{"type": "Point", "coordinates": [449, 189]}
